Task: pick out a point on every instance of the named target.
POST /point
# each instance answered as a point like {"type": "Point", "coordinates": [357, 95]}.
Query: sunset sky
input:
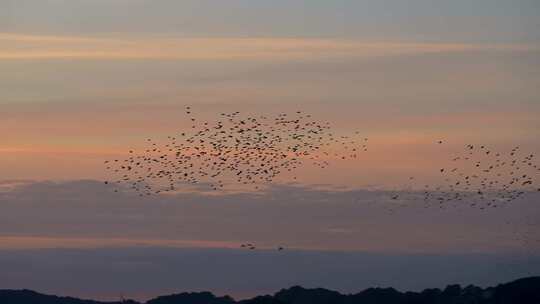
{"type": "Point", "coordinates": [83, 81]}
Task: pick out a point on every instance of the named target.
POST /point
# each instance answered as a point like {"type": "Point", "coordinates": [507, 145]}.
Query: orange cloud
{"type": "Point", "coordinates": [20, 47]}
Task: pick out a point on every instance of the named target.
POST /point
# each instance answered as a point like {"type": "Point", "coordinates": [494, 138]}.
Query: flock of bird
{"type": "Point", "coordinates": [248, 150]}
{"type": "Point", "coordinates": [251, 151]}
{"type": "Point", "coordinates": [482, 178]}
{"type": "Point", "coordinates": [254, 150]}
{"type": "Point", "coordinates": [251, 246]}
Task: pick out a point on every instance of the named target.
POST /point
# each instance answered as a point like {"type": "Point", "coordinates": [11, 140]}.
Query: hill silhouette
{"type": "Point", "coordinates": [523, 291]}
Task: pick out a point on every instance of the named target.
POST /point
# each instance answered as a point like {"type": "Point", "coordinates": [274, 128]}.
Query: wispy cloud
{"type": "Point", "coordinates": [43, 242]}
{"type": "Point", "coordinates": [20, 47]}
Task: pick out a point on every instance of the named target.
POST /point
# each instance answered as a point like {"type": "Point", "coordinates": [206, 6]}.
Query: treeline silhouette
{"type": "Point", "coordinates": [522, 291]}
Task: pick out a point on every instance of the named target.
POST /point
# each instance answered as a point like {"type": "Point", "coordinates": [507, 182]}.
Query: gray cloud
{"type": "Point", "coordinates": [297, 216]}
{"type": "Point", "coordinates": [486, 20]}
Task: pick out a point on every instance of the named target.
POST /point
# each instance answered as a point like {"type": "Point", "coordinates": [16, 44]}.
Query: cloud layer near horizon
{"type": "Point", "coordinates": [108, 243]}
{"type": "Point", "coordinates": [87, 214]}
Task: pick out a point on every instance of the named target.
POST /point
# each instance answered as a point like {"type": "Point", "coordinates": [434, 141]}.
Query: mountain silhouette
{"type": "Point", "coordinates": [31, 297]}
{"type": "Point", "coordinates": [192, 298]}
{"type": "Point", "coordinates": [522, 291]}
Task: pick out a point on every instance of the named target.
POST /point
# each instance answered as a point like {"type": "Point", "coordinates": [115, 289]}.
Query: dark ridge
{"type": "Point", "coordinates": [192, 298]}
{"type": "Point", "coordinates": [25, 296]}
{"type": "Point", "coordinates": [522, 291]}
{"type": "Point", "coordinates": [300, 295]}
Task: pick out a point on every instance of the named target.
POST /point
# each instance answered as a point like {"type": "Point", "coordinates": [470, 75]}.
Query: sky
{"type": "Point", "coordinates": [85, 81]}
{"type": "Point", "coordinates": [92, 78]}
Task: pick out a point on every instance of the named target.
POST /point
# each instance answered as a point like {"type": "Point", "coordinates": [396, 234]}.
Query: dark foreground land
{"type": "Point", "coordinates": [522, 291]}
